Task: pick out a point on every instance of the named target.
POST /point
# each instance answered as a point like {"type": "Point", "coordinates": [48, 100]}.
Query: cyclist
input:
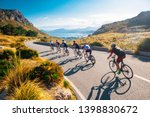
{"type": "Point", "coordinates": [51, 45]}
{"type": "Point", "coordinates": [64, 45]}
{"type": "Point", "coordinates": [76, 46]}
{"type": "Point", "coordinates": [121, 55]}
{"type": "Point", "coordinates": [58, 45]}
{"type": "Point", "coordinates": [87, 49]}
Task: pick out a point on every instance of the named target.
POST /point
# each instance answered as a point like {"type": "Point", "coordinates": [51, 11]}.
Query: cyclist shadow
{"type": "Point", "coordinates": [78, 67]}
{"type": "Point", "coordinates": [68, 60]}
{"type": "Point", "coordinates": [56, 57]}
{"type": "Point", "coordinates": [109, 87]}
{"type": "Point", "coordinates": [49, 54]}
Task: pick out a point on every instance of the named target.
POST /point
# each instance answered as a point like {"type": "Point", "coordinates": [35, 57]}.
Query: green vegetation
{"type": "Point", "coordinates": [17, 31]}
{"type": "Point", "coordinates": [48, 72]}
{"type": "Point", "coordinates": [96, 44]}
{"type": "Point", "coordinates": [144, 45]}
{"type": "Point", "coordinates": [26, 53]}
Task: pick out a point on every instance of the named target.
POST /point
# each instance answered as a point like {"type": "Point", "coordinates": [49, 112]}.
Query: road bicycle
{"type": "Point", "coordinates": [66, 51]}
{"type": "Point", "coordinates": [58, 49]}
{"type": "Point", "coordinates": [125, 69]}
{"type": "Point", "coordinates": [89, 57]}
{"type": "Point", "coordinates": [78, 53]}
{"type": "Point", "coordinates": [115, 84]}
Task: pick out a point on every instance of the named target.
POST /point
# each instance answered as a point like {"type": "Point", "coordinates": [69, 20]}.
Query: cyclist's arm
{"type": "Point", "coordinates": [111, 52]}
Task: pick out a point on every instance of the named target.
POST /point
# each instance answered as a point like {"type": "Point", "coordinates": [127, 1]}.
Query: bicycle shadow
{"type": "Point", "coordinates": [78, 67]}
{"type": "Point", "coordinates": [68, 60]}
{"type": "Point", "coordinates": [44, 52]}
{"type": "Point", "coordinates": [108, 88]}
{"type": "Point", "coordinates": [56, 57]}
{"type": "Point", "coordinates": [49, 54]}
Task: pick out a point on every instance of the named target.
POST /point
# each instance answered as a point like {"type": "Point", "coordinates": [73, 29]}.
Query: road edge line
{"type": "Point", "coordinates": [75, 88]}
{"type": "Point", "coordinates": [142, 78]}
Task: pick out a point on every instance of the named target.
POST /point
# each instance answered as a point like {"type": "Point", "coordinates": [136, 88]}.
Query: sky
{"type": "Point", "coordinates": [71, 14]}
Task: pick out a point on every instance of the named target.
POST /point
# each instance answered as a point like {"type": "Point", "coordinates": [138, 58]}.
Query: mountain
{"type": "Point", "coordinates": [16, 18]}
{"type": "Point", "coordinates": [71, 33]}
{"type": "Point", "coordinates": [140, 23]}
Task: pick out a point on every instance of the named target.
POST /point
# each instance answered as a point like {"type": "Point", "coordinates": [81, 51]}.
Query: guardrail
{"type": "Point", "coordinates": [97, 48]}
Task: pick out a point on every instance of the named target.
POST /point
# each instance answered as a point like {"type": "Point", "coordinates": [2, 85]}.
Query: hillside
{"type": "Point", "coordinates": [17, 19]}
{"type": "Point", "coordinates": [140, 23]}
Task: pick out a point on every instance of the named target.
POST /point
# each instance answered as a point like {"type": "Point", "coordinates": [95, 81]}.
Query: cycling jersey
{"type": "Point", "coordinates": [64, 45]}
{"type": "Point", "coordinates": [76, 46]}
{"type": "Point", "coordinates": [51, 43]}
{"type": "Point", "coordinates": [118, 52]}
{"type": "Point", "coordinates": [57, 43]}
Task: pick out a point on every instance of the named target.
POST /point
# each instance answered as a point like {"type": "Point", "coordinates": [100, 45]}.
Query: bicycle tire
{"type": "Point", "coordinates": [75, 53]}
{"type": "Point", "coordinates": [127, 69]}
{"type": "Point", "coordinates": [112, 66]}
{"type": "Point", "coordinates": [123, 86]}
{"type": "Point", "coordinates": [80, 54]}
{"type": "Point", "coordinates": [107, 78]}
{"type": "Point", "coordinates": [93, 60]}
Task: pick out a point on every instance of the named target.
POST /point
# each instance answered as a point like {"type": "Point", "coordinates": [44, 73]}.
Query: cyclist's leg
{"type": "Point", "coordinates": [119, 60]}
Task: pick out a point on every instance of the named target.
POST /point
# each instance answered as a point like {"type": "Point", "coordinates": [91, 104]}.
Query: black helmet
{"type": "Point", "coordinates": [113, 45]}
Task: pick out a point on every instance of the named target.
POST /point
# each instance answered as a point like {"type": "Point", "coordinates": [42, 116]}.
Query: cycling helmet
{"type": "Point", "coordinates": [113, 45]}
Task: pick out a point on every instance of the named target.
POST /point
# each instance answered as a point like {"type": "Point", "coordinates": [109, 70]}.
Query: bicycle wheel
{"type": "Point", "coordinates": [80, 54]}
{"type": "Point", "coordinates": [92, 58]}
{"type": "Point", "coordinates": [75, 53]}
{"type": "Point", "coordinates": [127, 71]}
{"type": "Point", "coordinates": [113, 66]}
{"type": "Point", "coordinates": [107, 78]}
{"type": "Point", "coordinates": [86, 57]}
{"type": "Point", "coordinates": [67, 52]}
{"type": "Point", "coordinates": [122, 86]}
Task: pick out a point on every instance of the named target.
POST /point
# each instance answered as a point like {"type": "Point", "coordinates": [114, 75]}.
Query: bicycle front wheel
{"type": "Point", "coordinates": [86, 57]}
{"type": "Point", "coordinates": [122, 86]}
{"type": "Point", "coordinates": [113, 66]}
{"type": "Point", "coordinates": [80, 54]}
{"type": "Point", "coordinates": [127, 71]}
{"type": "Point", "coordinates": [75, 53]}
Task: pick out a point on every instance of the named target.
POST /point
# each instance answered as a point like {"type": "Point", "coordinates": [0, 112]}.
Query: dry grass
{"type": "Point", "coordinates": [30, 90]}
{"type": "Point", "coordinates": [126, 41]}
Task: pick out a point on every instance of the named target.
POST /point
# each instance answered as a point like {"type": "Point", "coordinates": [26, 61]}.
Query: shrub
{"type": "Point", "coordinates": [30, 90]}
{"type": "Point", "coordinates": [145, 45]}
{"type": "Point", "coordinates": [18, 75]}
{"type": "Point", "coordinates": [26, 53]}
{"type": "Point", "coordinates": [5, 66]}
{"type": "Point", "coordinates": [49, 72]}
{"type": "Point", "coordinates": [7, 54]}
{"type": "Point", "coordinates": [96, 44]}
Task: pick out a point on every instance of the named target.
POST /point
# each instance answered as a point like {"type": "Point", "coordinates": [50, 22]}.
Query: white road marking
{"type": "Point", "coordinates": [141, 78]}
{"type": "Point", "coordinates": [75, 88]}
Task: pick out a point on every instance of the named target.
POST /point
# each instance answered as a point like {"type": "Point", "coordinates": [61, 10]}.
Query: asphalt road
{"type": "Point", "coordinates": [87, 78]}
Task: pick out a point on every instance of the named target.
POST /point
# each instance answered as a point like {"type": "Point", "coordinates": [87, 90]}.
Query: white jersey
{"type": "Point", "coordinates": [87, 47]}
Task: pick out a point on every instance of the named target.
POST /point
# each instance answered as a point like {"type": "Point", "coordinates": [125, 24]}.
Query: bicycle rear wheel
{"type": "Point", "coordinates": [113, 66]}
{"type": "Point", "coordinates": [75, 53]}
{"type": "Point", "coordinates": [67, 52]}
{"type": "Point", "coordinates": [92, 58]}
{"type": "Point", "coordinates": [127, 71]}
{"type": "Point", "coordinates": [122, 86]}
{"type": "Point", "coordinates": [107, 78]}
{"type": "Point", "coordinates": [80, 54]}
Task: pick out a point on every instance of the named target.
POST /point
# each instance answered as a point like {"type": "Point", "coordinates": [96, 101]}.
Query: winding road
{"type": "Point", "coordinates": [85, 78]}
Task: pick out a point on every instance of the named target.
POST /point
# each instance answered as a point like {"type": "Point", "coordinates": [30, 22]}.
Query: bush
{"type": "Point", "coordinates": [48, 72]}
{"type": "Point", "coordinates": [145, 45]}
{"type": "Point", "coordinates": [7, 54]}
{"type": "Point", "coordinates": [5, 66]}
{"type": "Point", "coordinates": [96, 44]}
{"type": "Point", "coordinates": [26, 53]}
{"type": "Point", "coordinates": [16, 31]}
{"type": "Point", "coordinates": [30, 90]}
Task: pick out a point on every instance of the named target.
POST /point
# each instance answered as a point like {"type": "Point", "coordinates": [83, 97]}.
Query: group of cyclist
{"type": "Point", "coordinates": [88, 50]}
